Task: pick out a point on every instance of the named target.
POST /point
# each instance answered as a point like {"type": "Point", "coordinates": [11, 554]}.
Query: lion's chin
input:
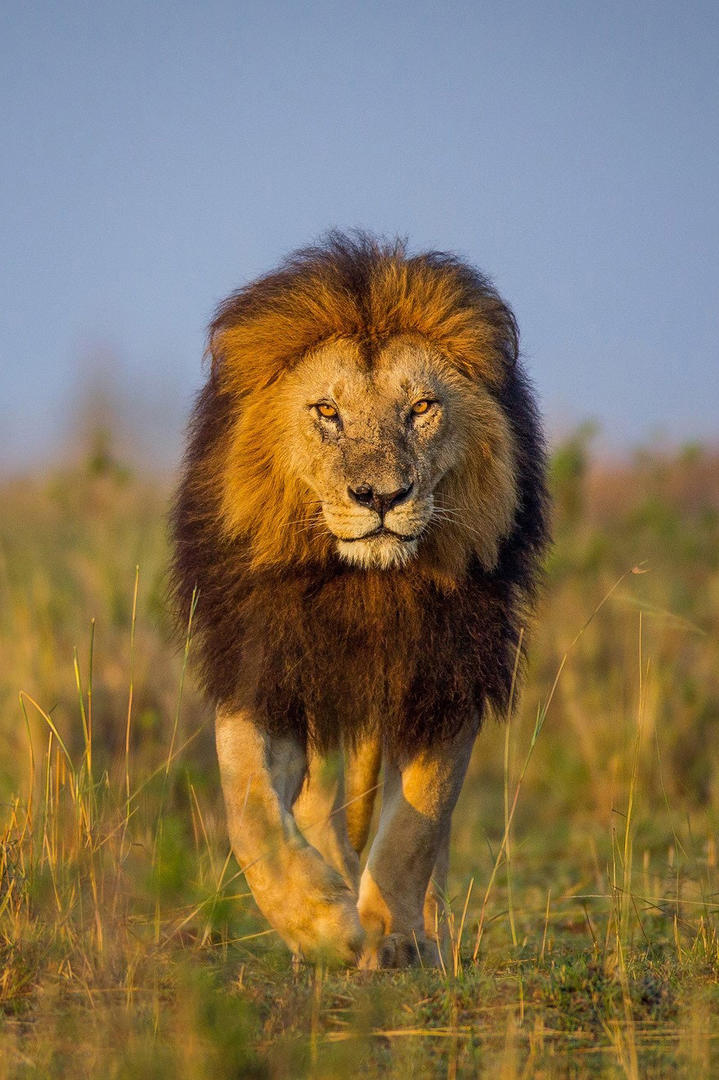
{"type": "Point", "coordinates": [382, 552]}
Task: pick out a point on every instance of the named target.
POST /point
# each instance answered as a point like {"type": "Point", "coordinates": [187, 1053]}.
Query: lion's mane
{"type": "Point", "coordinates": [324, 649]}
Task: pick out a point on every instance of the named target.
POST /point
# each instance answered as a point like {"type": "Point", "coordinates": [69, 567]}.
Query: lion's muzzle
{"type": "Point", "coordinates": [380, 502]}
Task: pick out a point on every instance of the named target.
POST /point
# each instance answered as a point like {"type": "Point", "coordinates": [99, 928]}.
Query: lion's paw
{"type": "Point", "coordinates": [400, 951]}
{"type": "Point", "coordinates": [320, 922]}
{"type": "Point", "coordinates": [334, 939]}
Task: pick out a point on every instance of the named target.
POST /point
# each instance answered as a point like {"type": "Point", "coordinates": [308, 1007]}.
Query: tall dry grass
{"type": "Point", "coordinates": [582, 912]}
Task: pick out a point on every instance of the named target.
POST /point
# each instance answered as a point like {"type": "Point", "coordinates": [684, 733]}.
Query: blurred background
{"type": "Point", "coordinates": [157, 156]}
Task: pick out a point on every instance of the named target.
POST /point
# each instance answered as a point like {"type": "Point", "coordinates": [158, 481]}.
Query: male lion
{"type": "Point", "coordinates": [362, 514]}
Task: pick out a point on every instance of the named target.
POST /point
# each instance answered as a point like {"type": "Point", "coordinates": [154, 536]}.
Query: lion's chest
{"type": "Point", "coordinates": [345, 652]}
{"type": "Point", "coordinates": [361, 652]}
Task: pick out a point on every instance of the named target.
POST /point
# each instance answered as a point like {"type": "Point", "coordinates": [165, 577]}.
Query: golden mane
{"type": "Point", "coordinates": [365, 290]}
{"type": "Point", "coordinates": [360, 289]}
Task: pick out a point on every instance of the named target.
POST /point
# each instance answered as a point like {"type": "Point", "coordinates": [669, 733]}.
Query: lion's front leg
{"type": "Point", "coordinates": [303, 897]}
{"type": "Point", "coordinates": [418, 800]}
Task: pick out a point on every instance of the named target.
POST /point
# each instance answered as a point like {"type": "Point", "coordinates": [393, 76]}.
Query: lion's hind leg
{"type": "Point", "coordinates": [435, 901]}
{"type": "Point", "coordinates": [320, 812]}
{"type": "Point", "coordinates": [362, 772]}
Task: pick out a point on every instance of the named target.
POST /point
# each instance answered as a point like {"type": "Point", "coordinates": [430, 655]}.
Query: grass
{"type": "Point", "coordinates": [583, 912]}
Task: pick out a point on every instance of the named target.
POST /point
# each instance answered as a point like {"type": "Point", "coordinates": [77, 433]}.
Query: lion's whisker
{"type": "Point", "coordinates": [314, 517]}
{"type": "Point", "coordinates": [456, 519]}
{"type": "Point", "coordinates": [312, 526]}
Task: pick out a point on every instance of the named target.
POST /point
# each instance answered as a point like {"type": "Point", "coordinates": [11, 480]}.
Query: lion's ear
{"type": "Point", "coordinates": [245, 357]}
{"type": "Point", "coordinates": [493, 340]}
{"type": "Point", "coordinates": [461, 312]}
{"type": "Point", "coordinates": [212, 357]}
{"type": "Point", "coordinates": [501, 320]}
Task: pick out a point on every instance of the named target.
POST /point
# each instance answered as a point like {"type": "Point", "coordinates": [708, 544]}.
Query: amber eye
{"type": "Point", "coordinates": [328, 411]}
{"type": "Point", "coordinates": [421, 407]}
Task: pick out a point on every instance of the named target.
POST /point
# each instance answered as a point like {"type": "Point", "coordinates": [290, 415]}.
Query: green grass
{"type": "Point", "coordinates": [584, 893]}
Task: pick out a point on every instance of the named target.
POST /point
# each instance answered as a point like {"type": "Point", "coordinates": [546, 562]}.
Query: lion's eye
{"type": "Point", "coordinates": [421, 407]}
{"type": "Point", "coordinates": [328, 411]}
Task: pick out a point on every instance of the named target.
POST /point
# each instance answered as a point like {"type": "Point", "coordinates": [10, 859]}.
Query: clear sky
{"type": "Point", "coordinates": [154, 156]}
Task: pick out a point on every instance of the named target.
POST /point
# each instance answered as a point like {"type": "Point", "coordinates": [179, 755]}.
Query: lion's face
{"type": "Point", "coordinates": [373, 443]}
{"type": "Point", "coordinates": [379, 454]}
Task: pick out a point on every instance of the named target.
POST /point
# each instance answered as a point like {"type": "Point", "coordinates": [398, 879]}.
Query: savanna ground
{"type": "Point", "coordinates": [584, 893]}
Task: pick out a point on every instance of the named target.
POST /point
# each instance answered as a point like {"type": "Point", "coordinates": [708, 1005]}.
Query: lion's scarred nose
{"type": "Point", "coordinates": [365, 495]}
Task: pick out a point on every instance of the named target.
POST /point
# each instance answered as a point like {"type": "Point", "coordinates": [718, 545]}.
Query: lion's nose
{"type": "Point", "coordinates": [365, 495]}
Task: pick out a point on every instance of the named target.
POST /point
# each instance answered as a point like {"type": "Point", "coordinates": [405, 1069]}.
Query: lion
{"type": "Point", "coordinates": [360, 524]}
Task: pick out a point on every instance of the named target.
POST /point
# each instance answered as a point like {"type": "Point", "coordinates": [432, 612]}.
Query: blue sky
{"type": "Point", "coordinates": [156, 156]}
